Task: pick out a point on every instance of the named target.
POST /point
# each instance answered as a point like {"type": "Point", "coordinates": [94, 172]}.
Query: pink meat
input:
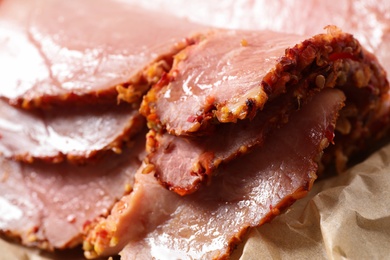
{"type": "Point", "coordinates": [57, 51]}
{"type": "Point", "coordinates": [331, 60]}
{"type": "Point", "coordinates": [76, 134]}
{"type": "Point", "coordinates": [219, 77]}
{"type": "Point", "coordinates": [230, 75]}
{"type": "Point", "coordinates": [248, 192]}
{"type": "Point", "coordinates": [48, 206]}
{"type": "Point", "coordinates": [368, 21]}
{"type": "Point", "coordinates": [183, 164]}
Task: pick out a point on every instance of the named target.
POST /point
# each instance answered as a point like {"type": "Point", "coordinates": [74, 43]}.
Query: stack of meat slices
{"type": "Point", "coordinates": [70, 144]}
{"type": "Point", "coordinates": [237, 130]}
{"type": "Point", "coordinates": [238, 122]}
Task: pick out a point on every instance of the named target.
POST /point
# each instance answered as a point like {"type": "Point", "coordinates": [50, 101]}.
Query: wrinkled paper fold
{"type": "Point", "coordinates": [344, 217]}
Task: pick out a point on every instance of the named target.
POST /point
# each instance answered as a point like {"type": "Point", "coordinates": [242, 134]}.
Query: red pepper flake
{"type": "Point", "coordinates": [329, 133]}
{"type": "Point", "coordinates": [166, 78]}
{"type": "Point", "coordinates": [341, 55]}
{"type": "Point", "coordinates": [102, 233]}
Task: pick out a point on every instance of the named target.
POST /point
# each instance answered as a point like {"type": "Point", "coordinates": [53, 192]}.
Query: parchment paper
{"type": "Point", "coordinates": [345, 217]}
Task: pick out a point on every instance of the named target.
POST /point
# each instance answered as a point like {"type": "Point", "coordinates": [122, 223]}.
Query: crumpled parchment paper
{"type": "Point", "coordinates": [344, 217]}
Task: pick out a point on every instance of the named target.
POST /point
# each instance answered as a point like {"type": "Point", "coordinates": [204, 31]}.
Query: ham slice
{"type": "Point", "coordinates": [153, 222]}
{"type": "Point", "coordinates": [183, 164]}
{"type": "Point", "coordinates": [76, 134]}
{"type": "Point", "coordinates": [48, 206]}
{"type": "Point", "coordinates": [87, 51]}
{"type": "Point", "coordinates": [230, 75]}
{"type": "Point", "coordinates": [367, 20]}
{"type": "Point", "coordinates": [219, 77]}
{"type": "Point", "coordinates": [332, 60]}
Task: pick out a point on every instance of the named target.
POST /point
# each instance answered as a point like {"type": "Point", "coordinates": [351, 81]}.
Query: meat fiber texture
{"type": "Point", "coordinates": [247, 192]}
{"type": "Point", "coordinates": [87, 51]}
{"type": "Point", "coordinates": [75, 134]}
{"type": "Point", "coordinates": [232, 11]}
{"type": "Point", "coordinates": [49, 205]}
{"type": "Point", "coordinates": [72, 81]}
{"type": "Point", "coordinates": [255, 86]}
{"type": "Point", "coordinates": [367, 20]}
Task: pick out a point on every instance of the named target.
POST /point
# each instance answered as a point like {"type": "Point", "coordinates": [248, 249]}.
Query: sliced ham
{"type": "Point", "coordinates": [230, 75]}
{"type": "Point", "coordinates": [183, 164]}
{"type": "Point", "coordinates": [83, 51]}
{"type": "Point", "coordinates": [153, 222]}
{"type": "Point", "coordinates": [368, 20]}
{"type": "Point", "coordinates": [76, 134]}
{"type": "Point", "coordinates": [220, 77]}
{"type": "Point", "coordinates": [332, 60]}
{"type": "Point", "coordinates": [48, 206]}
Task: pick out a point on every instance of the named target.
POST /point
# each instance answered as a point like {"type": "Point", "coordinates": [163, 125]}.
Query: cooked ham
{"type": "Point", "coordinates": [48, 206]}
{"type": "Point", "coordinates": [367, 20]}
{"type": "Point", "coordinates": [183, 164]}
{"type": "Point", "coordinates": [154, 222]}
{"type": "Point", "coordinates": [232, 74]}
{"type": "Point", "coordinates": [76, 134]}
{"type": "Point", "coordinates": [83, 51]}
{"type": "Point", "coordinates": [332, 60]}
{"type": "Point", "coordinates": [220, 76]}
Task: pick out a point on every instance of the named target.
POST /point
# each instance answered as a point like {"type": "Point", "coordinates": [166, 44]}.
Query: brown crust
{"type": "Point", "coordinates": [108, 96]}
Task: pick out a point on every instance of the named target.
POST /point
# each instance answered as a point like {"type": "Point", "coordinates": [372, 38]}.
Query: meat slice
{"type": "Point", "coordinates": [48, 206]}
{"type": "Point", "coordinates": [183, 164]}
{"type": "Point", "coordinates": [154, 222]}
{"type": "Point", "coordinates": [356, 73]}
{"type": "Point", "coordinates": [230, 75]}
{"type": "Point", "coordinates": [218, 77]}
{"type": "Point", "coordinates": [76, 134]}
{"type": "Point", "coordinates": [87, 51]}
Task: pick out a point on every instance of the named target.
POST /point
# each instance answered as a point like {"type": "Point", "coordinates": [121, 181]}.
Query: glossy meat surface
{"type": "Point", "coordinates": [331, 60]}
{"type": "Point", "coordinates": [247, 192]}
{"type": "Point", "coordinates": [220, 77]}
{"type": "Point", "coordinates": [76, 134]}
{"type": "Point", "coordinates": [367, 20]}
{"type": "Point", "coordinates": [48, 206]}
{"type": "Point", "coordinates": [80, 51]}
